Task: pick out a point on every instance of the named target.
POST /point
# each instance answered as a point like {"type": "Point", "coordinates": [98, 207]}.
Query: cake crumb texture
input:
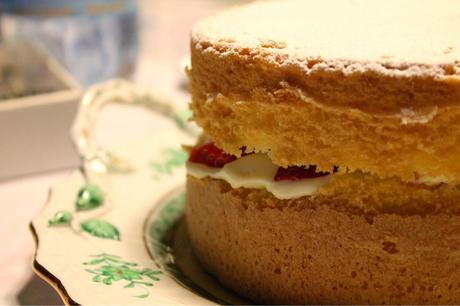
{"type": "Point", "coordinates": [295, 132]}
{"type": "Point", "coordinates": [380, 94]}
{"type": "Point", "coordinates": [307, 251]}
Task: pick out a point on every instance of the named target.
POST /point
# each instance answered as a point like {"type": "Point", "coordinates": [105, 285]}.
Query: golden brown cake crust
{"type": "Point", "coordinates": [309, 251]}
{"type": "Point", "coordinates": [387, 125]}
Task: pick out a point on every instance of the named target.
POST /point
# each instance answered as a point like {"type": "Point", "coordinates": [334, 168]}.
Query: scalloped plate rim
{"type": "Point", "coordinates": [65, 283]}
{"type": "Point", "coordinates": [39, 269]}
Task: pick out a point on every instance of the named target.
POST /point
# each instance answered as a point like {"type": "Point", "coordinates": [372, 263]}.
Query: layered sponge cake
{"type": "Point", "coordinates": [330, 167]}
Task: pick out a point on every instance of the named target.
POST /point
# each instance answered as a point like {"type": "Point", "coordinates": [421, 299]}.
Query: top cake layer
{"type": "Point", "coordinates": [394, 33]}
{"type": "Point", "coordinates": [362, 85]}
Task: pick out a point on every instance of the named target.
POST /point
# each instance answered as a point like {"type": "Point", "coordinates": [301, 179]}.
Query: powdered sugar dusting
{"type": "Point", "coordinates": [398, 38]}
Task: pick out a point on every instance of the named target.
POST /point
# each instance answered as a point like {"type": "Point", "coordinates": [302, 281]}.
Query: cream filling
{"type": "Point", "coordinates": [258, 171]}
{"type": "Point", "coordinates": [433, 180]}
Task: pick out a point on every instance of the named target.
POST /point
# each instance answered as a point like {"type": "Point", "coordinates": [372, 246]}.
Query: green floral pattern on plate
{"type": "Point", "coordinates": [168, 215]}
{"type": "Point", "coordinates": [171, 159]}
{"type": "Point", "coordinates": [90, 196]}
{"type": "Point", "coordinates": [100, 228]}
{"type": "Point", "coordinates": [109, 268]}
{"type": "Point", "coordinates": [62, 217]}
{"type": "Point", "coordinates": [182, 117]}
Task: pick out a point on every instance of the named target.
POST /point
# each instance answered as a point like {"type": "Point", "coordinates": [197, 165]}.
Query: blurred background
{"type": "Point", "coordinates": [50, 52]}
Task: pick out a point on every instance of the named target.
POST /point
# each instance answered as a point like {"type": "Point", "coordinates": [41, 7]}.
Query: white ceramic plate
{"type": "Point", "coordinates": [113, 232]}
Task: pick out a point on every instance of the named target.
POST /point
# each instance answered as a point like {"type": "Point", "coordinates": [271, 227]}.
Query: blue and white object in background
{"type": "Point", "coordinates": [95, 39]}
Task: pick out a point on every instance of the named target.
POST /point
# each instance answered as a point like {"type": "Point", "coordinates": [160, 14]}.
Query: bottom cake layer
{"type": "Point", "coordinates": [310, 251]}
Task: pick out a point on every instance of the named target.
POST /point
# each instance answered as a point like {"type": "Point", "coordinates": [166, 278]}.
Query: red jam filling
{"type": "Point", "coordinates": [294, 173]}
{"type": "Point", "coordinates": [211, 156]}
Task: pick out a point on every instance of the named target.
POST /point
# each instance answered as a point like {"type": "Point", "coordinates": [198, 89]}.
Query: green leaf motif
{"type": "Point", "coordinates": [97, 279]}
{"type": "Point", "coordinates": [89, 197]}
{"type": "Point", "coordinates": [142, 296]}
{"type": "Point", "coordinates": [100, 228]}
{"type": "Point", "coordinates": [168, 215]}
{"type": "Point", "coordinates": [182, 117]}
{"type": "Point", "coordinates": [107, 269]}
{"type": "Point", "coordinates": [171, 159]}
{"type": "Point", "coordinates": [62, 217]}
{"type": "Point", "coordinates": [130, 285]}
{"type": "Point", "coordinates": [107, 281]}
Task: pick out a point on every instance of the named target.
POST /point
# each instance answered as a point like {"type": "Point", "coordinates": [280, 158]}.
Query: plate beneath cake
{"type": "Point", "coordinates": [114, 231]}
